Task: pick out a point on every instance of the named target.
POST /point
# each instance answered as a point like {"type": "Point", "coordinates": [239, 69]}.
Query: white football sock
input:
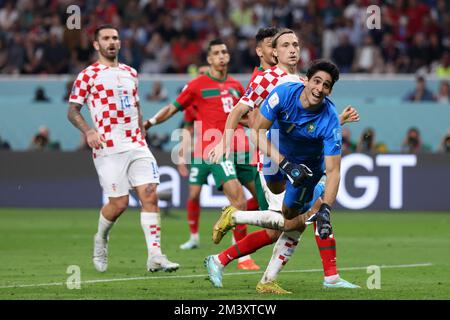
{"type": "Point", "coordinates": [332, 279]}
{"type": "Point", "coordinates": [282, 252]}
{"type": "Point", "coordinates": [104, 226]}
{"type": "Point", "coordinates": [195, 237]}
{"type": "Point", "coordinates": [152, 231]}
{"type": "Point", "coordinates": [265, 218]}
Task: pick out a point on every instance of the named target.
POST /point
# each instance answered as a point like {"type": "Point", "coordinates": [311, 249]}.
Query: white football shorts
{"type": "Point", "coordinates": [120, 172]}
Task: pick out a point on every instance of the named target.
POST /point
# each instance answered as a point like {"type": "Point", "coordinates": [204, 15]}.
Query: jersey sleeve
{"type": "Point", "coordinates": [186, 97]}
{"type": "Point", "coordinates": [332, 142]}
{"type": "Point", "coordinates": [188, 116]}
{"type": "Point", "coordinates": [258, 90]}
{"type": "Point", "coordinates": [272, 105]}
{"type": "Point", "coordinates": [81, 87]}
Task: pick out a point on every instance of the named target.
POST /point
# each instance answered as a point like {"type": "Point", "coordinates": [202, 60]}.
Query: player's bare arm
{"type": "Point", "coordinates": [140, 119]}
{"type": "Point", "coordinates": [348, 115]}
{"type": "Point", "coordinates": [259, 138]}
{"type": "Point", "coordinates": [162, 115]}
{"type": "Point", "coordinates": [333, 169]}
{"type": "Point", "coordinates": [233, 119]}
{"type": "Point", "coordinates": [185, 149]}
{"type": "Point", "coordinates": [93, 138]}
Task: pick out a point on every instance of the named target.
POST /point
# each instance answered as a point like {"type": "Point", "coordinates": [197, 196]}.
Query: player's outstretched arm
{"type": "Point", "coordinates": [162, 115]}
{"type": "Point", "coordinates": [233, 119]}
{"type": "Point", "coordinates": [349, 114]}
{"type": "Point", "coordinates": [333, 169]}
{"type": "Point", "coordinates": [93, 138]}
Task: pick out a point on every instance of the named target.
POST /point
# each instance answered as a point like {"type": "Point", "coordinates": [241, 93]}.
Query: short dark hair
{"type": "Point", "coordinates": [326, 66]}
{"type": "Point", "coordinates": [279, 34]}
{"type": "Point", "coordinates": [214, 42]}
{"type": "Point", "coordinates": [264, 33]}
{"type": "Point", "coordinates": [102, 27]}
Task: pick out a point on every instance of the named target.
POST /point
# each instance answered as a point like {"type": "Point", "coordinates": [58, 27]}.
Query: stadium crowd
{"type": "Point", "coordinates": [169, 36]}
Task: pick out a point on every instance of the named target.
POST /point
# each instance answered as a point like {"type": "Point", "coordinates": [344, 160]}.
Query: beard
{"type": "Point", "coordinates": [110, 55]}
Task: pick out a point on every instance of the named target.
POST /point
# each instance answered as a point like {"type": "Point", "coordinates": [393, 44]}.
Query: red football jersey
{"type": "Point", "coordinates": [213, 100]}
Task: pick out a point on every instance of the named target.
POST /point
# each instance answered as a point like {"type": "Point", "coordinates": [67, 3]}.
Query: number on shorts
{"type": "Point", "coordinates": [193, 174]}
{"type": "Point", "coordinates": [228, 168]}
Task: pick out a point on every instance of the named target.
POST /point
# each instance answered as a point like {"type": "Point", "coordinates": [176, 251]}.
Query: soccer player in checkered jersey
{"type": "Point", "coordinates": [121, 155]}
{"type": "Point", "coordinates": [213, 95]}
{"type": "Point", "coordinates": [280, 71]}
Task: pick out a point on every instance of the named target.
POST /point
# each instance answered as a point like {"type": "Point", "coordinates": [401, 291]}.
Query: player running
{"type": "Point", "coordinates": [286, 48]}
{"type": "Point", "coordinates": [213, 95]}
{"type": "Point", "coordinates": [121, 155]}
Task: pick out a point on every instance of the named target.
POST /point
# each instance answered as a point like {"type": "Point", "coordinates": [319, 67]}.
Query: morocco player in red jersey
{"type": "Point", "coordinates": [213, 94]}
{"type": "Point", "coordinates": [121, 155]}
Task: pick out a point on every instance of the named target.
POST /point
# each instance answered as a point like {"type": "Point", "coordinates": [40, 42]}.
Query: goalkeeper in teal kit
{"type": "Point", "coordinates": [299, 132]}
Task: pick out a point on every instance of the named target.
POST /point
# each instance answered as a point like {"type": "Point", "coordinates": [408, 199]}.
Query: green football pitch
{"type": "Point", "coordinates": [39, 246]}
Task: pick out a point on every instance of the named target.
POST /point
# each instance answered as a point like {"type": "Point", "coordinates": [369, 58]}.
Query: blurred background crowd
{"type": "Point", "coordinates": [169, 36]}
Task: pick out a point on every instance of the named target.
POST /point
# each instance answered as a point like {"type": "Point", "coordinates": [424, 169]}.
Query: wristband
{"type": "Point", "coordinates": [152, 121]}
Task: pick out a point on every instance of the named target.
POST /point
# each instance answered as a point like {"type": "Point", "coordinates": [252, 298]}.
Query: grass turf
{"type": "Point", "coordinates": [38, 245]}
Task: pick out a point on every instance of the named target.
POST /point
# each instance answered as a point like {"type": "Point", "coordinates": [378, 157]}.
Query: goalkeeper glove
{"type": "Point", "coordinates": [322, 218]}
{"type": "Point", "coordinates": [296, 173]}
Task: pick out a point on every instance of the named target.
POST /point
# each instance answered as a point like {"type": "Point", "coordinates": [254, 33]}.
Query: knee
{"type": "Point", "coordinates": [150, 197]}
{"type": "Point", "coordinates": [194, 196]}
{"type": "Point", "coordinates": [120, 205]}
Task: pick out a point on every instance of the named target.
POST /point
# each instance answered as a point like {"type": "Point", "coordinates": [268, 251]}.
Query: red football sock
{"type": "Point", "coordinates": [248, 245]}
{"type": "Point", "coordinates": [252, 204]}
{"type": "Point", "coordinates": [327, 249]}
{"type": "Point", "coordinates": [193, 214]}
{"type": "Point", "coordinates": [240, 232]}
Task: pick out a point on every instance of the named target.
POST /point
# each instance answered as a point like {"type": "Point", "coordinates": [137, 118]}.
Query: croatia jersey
{"type": "Point", "coordinates": [260, 85]}
{"type": "Point", "coordinates": [263, 84]}
{"type": "Point", "coordinates": [213, 100]}
{"type": "Point", "coordinates": [304, 136]}
{"type": "Point", "coordinates": [111, 94]}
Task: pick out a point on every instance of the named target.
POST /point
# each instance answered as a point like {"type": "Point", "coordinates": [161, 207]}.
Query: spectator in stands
{"type": "Point", "coordinates": [348, 146]}
{"type": "Point", "coordinates": [157, 55]}
{"type": "Point", "coordinates": [55, 56]}
{"type": "Point", "coordinates": [443, 67]}
{"type": "Point", "coordinates": [15, 55]}
{"type": "Point", "coordinates": [443, 95]}
{"type": "Point", "coordinates": [390, 52]}
{"type": "Point", "coordinates": [320, 23]}
{"type": "Point", "coordinates": [368, 57]}
{"type": "Point", "coordinates": [418, 52]}
{"type": "Point", "coordinates": [8, 16]}
{"type": "Point", "coordinates": [445, 144]}
{"type": "Point", "coordinates": [4, 145]}
{"type": "Point", "coordinates": [343, 54]}
{"type": "Point", "coordinates": [366, 142]}
{"type": "Point", "coordinates": [420, 93]}
{"type": "Point", "coordinates": [412, 142]}
{"type": "Point", "coordinates": [157, 93]}
{"type": "Point", "coordinates": [40, 95]}
{"type": "Point", "coordinates": [184, 53]}
{"type": "Point", "coordinates": [41, 141]}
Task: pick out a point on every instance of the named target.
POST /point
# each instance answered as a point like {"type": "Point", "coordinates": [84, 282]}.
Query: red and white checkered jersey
{"type": "Point", "coordinates": [263, 84]}
{"type": "Point", "coordinates": [111, 93]}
